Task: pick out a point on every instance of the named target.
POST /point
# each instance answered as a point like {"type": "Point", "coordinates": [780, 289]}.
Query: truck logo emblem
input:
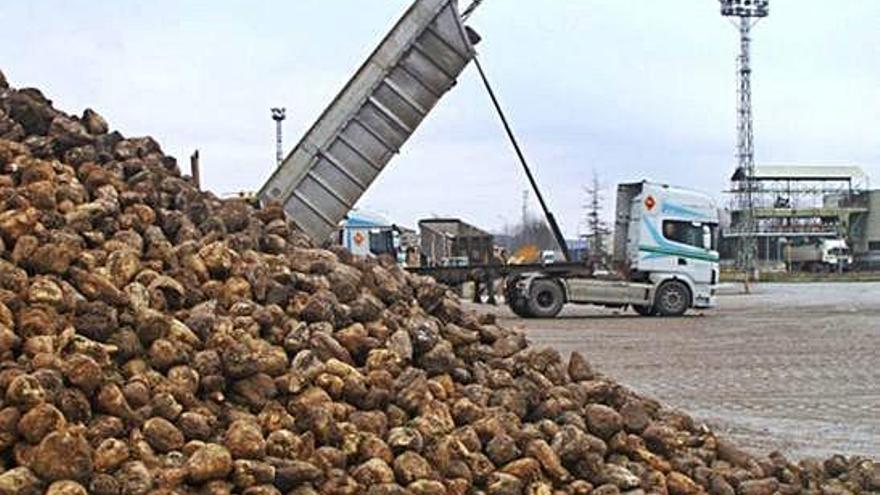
{"type": "Point", "coordinates": [650, 203]}
{"type": "Point", "coordinates": [359, 238]}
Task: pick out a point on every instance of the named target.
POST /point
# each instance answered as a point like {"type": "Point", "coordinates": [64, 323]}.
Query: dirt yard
{"type": "Point", "coordinates": [794, 368]}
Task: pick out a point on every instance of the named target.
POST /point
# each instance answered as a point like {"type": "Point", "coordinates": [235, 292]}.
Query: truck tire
{"type": "Point", "coordinates": [514, 300]}
{"type": "Point", "coordinates": [673, 298]}
{"type": "Point", "coordinates": [545, 299]}
{"type": "Point", "coordinates": [519, 306]}
{"type": "Point", "coordinates": [650, 310]}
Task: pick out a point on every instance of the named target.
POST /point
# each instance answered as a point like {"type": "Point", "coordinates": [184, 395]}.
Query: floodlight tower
{"type": "Point", "coordinates": [278, 115]}
{"type": "Point", "coordinates": [747, 14]}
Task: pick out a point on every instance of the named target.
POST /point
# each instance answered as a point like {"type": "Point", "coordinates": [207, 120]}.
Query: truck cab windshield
{"type": "Point", "coordinates": [696, 234]}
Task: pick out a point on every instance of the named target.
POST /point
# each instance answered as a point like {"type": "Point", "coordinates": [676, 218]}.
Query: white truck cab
{"type": "Point", "coordinates": [836, 253]}
{"type": "Point", "coordinates": [368, 234]}
{"type": "Point", "coordinates": [671, 234]}
{"type": "Point", "coordinates": [548, 257]}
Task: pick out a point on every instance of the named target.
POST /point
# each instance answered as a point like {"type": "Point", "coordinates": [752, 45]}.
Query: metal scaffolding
{"type": "Point", "coordinates": [794, 205]}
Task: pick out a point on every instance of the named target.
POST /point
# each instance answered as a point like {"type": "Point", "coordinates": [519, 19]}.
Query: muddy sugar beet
{"type": "Point", "coordinates": [155, 340]}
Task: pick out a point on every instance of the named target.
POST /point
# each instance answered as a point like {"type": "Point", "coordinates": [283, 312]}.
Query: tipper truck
{"type": "Point", "coordinates": [824, 255]}
{"type": "Point", "coordinates": [665, 254]}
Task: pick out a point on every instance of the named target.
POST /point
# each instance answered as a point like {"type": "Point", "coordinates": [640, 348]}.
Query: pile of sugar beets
{"type": "Point", "coordinates": [155, 339]}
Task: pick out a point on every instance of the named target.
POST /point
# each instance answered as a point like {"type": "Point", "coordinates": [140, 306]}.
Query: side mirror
{"type": "Point", "coordinates": [707, 237]}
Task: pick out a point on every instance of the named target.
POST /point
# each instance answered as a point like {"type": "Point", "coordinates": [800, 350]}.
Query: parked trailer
{"type": "Point", "coordinates": [373, 116]}
{"type": "Point", "coordinates": [444, 239]}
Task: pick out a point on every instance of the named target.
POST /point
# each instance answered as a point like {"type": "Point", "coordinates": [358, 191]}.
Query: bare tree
{"type": "Point", "coordinates": [597, 229]}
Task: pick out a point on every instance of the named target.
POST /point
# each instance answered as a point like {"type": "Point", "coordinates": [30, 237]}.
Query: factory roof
{"type": "Point", "coordinates": [804, 172]}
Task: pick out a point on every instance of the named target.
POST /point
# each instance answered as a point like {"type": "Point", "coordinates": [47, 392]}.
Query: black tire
{"type": "Point", "coordinates": [645, 310]}
{"type": "Point", "coordinates": [545, 299]}
{"type": "Point", "coordinates": [673, 298]}
{"type": "Point", "coordinates": [515, 301]}
{"type": "Point", "coordinates": [519, 307]}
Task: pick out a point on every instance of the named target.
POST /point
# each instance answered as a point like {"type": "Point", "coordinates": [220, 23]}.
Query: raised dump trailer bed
{"type": "Point", "coordinates": [374, 115]}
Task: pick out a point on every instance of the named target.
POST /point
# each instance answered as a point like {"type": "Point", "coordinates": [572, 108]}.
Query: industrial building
{"type": "Point", "coordinates": [796, 204]}
{"type": "Point", "coordinates": [865, 230]}
{"type": "Point", "coordinates": [450, 240]}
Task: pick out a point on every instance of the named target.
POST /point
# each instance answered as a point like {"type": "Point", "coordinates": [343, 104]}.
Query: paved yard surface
{"type": "Point", "coordinates": [794, 368]}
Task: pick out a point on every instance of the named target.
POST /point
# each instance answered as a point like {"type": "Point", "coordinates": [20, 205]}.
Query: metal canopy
{"type": "Point", "coordinates": [803, 173]}
{"type": "Point", "coordinates": [373, 116]}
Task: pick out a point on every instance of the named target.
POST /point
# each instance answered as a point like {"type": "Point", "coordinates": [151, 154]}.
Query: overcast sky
{"type": "Point", "coordinates": [632, 89]}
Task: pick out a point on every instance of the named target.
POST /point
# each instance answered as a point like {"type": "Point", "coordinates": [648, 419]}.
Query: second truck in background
{"type": "Point", "coordinates": [824, 255]}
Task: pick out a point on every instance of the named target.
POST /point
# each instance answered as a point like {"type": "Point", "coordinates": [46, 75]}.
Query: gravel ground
{"type": "Point", "coordinates": [794, 368]}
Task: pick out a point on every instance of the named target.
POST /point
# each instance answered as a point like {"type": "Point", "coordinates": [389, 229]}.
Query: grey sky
{"type": "Point", "coordinates": [631, 88]}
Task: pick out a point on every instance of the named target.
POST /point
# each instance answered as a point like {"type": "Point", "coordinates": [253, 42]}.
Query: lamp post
{"type": "Point", "coordinates": [747, 14]}
{"type": "Point", "coordinates": [278, 115]}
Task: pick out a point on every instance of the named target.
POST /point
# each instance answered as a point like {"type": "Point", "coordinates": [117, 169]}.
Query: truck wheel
{"type": "Point", "coordinates": [545, 299]}
{"type": "Point", "coordinates": [673, 298]}
{"type": "Point", "coordinates": [645, 310]}
{"type": "Point", "coordinates": [515, 301]}
{"type": "Point", "coordinates": [519, 306]}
